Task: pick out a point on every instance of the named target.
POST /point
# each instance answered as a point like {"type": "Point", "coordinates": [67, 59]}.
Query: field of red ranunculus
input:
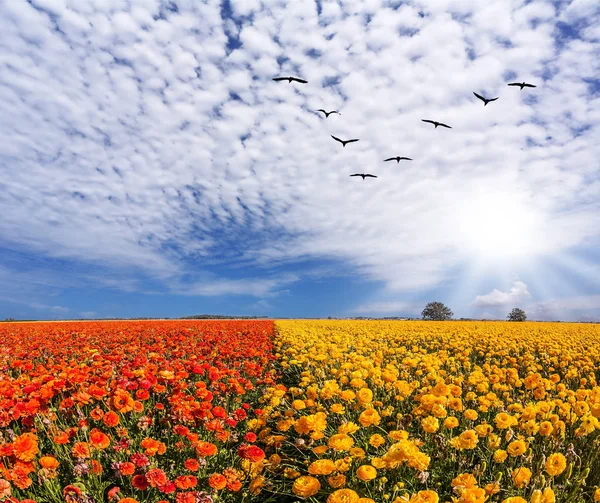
{"type": "Point", "coordinates": [131, 411]}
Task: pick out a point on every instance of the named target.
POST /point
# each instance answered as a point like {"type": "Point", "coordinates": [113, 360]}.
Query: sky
{"type": "Point", "coordinates": [150, 166]}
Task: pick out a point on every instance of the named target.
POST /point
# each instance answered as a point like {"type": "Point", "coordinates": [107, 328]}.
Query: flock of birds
{"type": "Point", "coordinates": [521, 85]}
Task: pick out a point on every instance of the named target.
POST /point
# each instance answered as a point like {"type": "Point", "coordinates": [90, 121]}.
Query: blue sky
{"type": "Point", "coordinates": [151, 167]}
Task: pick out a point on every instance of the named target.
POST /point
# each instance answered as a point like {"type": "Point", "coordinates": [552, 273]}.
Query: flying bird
{"type": "Point", "coordinates": [290, 79]}
{"type": "Point", "coordinates": [436, 124]}
{"type": "Point", "coordinates": [364, 175]}
{"type": "Point", "coordinates": [344, 142]}
{"type": "Point", "coordinates": [521, 85]}
{"type": "Point", "coordinates": [485, 100]}
{"type": "Point", "coordinates": [327, 114]}
{"type": "Point", "coordinates": [398, 159]}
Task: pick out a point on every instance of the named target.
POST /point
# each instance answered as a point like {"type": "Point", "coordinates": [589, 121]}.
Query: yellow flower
{"type": "Point", "coordinates": [472, 495]}
{"type": "Point", "coordinates": [597, 495]}
{"type": "Point", "coordinates": [466, 440]}
{"type": "Point", "coordinates": [366, 472]}
{"type": "Point", "coordinates": [306, 486]}
{"type": "Point", "coordinates": [376, 440]}
{"type": "Point", "coordinates": [430, 424]}
{"type": "Point", "coordinates": [517, 447]}
{"type": "Point", "coordinates": [500, 456]}
{"type": "Point", "coordinates": [256, 485]}
{"type": "Point", "coordinates": [298, 405]}
{"type": "Point", "coordinates": [348, 395]}
{"type": "Point", "coordinates": [514, 499]}
{"type": "Point", "coordinates": [426, 497]}
{"type": "Point", "coordinates": [546, 428]}
{"type": "Point", "coordinates": [322, 467]}
{"type": "Point", "coordinates": [290, 473]}
{"type": "Point", "coordinates": [337, 408]}
{"type": "Point", "coordinates": [471, 414]}
{"type": "Point", "coordinates": [357, 452]}
{"type": "Point", "coordinates": [348, 428]}
{"type": "Point", "coordinates": [364, 396]}
{"type": "Point", "coordinates": [464, 481]}
{"type": "Point", "coordinates": [321, 449]}
{"type": "Point", "coordinates": [369, 417]}
{"type": "Point", "coordinates": [344, 464]}
{"type": "Point", "coordinates": [547, 496]}
{"type": "Point", "coordinates": [555, 464]}
{"type": "Point", "coordinates": [341, 442]}
{"type": "Point", "coordinates": [492, 488]}
{"type": "Point", "coordinates": [504, 420]}
{"type": "Point", "coordinates": [398, 435]}
{"type": "Point", "coordinates": [451, 422]}
{"type": "Point", "coordinates": [337, 481]}
{"type": "Point", "coordinates": [521, 476]}
{"type": "Point", "coordinates": [378, 463]}
{"type": "Point", "coordinates": [343, 496]}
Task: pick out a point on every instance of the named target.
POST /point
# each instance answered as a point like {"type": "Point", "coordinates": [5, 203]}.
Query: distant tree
{"type": "Point", "coordinates": [436, 311]}
{"type": "Point", "coordinates": [516, 315]}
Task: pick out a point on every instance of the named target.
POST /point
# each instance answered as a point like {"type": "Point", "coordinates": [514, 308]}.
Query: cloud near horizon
{"type": "Point", "coordinates": [496, 298]}
{"type": "Point", "coordinates": [148, 139]}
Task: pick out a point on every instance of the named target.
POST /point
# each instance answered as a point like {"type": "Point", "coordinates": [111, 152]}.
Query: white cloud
{"type": "Point", "coordinates": [577, 308]}
{"type": "Point", "coordinates": [123, 147]}
{"type": "Point", "coordinates": [496, 298]}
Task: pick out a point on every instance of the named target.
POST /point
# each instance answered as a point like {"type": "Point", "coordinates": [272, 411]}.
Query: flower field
{"type": "Point", "coordinates": [336, 411]}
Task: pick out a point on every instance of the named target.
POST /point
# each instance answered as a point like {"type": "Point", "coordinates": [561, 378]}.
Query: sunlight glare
{"type": "Point", "coordinates": [498, 226]}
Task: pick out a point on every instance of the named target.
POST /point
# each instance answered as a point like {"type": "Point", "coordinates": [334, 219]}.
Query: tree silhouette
{"type": "Point", "coordinates": [516, 315]}
{"type": "Point", "coordinates": [437, 311]}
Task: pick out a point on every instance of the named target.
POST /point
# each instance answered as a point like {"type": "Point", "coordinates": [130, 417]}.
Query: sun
{"type": "Point", "coordinates": [498, 226]}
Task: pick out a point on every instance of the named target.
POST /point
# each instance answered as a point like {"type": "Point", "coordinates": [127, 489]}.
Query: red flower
{"type": "Point", "coordinates": [251, 452]}
{"type": "Point", "coordinates": [250, 437]}
{"type": "Point", "coordinates": [192, 464]}
{"type": "Point", "coordinates": [168, 488]}
{"type": "Point", "coordinates": [140, 482]}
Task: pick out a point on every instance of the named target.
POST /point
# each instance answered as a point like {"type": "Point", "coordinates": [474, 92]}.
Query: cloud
{"type": "Point", "coordinates": [496, 298]}
{"type": "Point", "coordinates": [147, 138]}
{"type": "Point", "coordinates": [577, 308]}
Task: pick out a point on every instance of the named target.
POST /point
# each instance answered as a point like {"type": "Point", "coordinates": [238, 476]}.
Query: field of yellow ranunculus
{"type": "Point", "coordinates": [316, 411]}
{"type": "Point", "coordinates": [462, 412]}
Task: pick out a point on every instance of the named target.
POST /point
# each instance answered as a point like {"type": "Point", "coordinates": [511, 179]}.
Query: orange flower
{"type": "Point", "coordinates": [111, 419]}
{"type": "Point", "coordinates": [122, 401]}
{"type": "Point", "coordinates": [156, 477]}
{"type": "Point", "coordinates": [306, 486]}
{"type": "Point", "coordinates": [186, 482]}
{"type": "Point", "coordinates": [126, 468]}
{"type": "Point", "coordinates": [81, 450]}
{"type": "Point", "coordinates": [205, 449]}
{"type": "Point", "coordinates": [343, 496]}
{"type": "Point", "coordinates": [25, 447]}
{"type": "Point", "coordinates": [217, 481]}
{"type": "Point", "coordinates": [49, 462]}
{"type": "Point", "coordinates": [99, 440]}
{"type": "Point", "coordinates": [152, 447]}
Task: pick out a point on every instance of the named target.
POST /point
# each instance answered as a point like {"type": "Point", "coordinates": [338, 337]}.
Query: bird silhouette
{"type": "Point", "coordinates": [398, 159]}
{"type": "Point", "coordinates": [364, 175]}
{"type": "Point", "coordinates": [290, 79]}
{"type": "Point", "coordinates": [521, 84]}
{"type": "Point", "coordinates": [436, 124]}
{"type": "Point", "coordinates": [485, 100]}
{"type": "Point", "coordinates": [327, 114]}
{"type": "Point", "coordinates": [344, 142]}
